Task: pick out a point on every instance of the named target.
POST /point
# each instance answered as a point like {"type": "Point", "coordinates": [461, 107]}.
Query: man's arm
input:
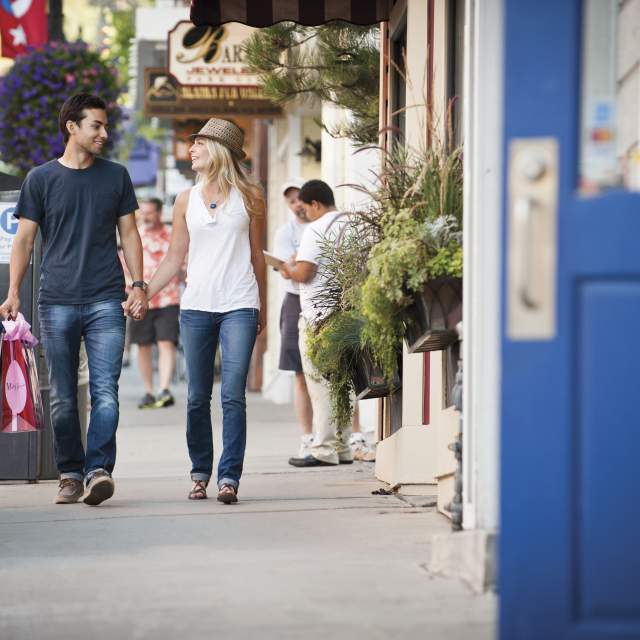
{"type": "Point", "coordinates": [301, 271]}
{"type": "Point", "coordinates": [132, 251]}
{"type": "Point", "coordinates": [21, 251]}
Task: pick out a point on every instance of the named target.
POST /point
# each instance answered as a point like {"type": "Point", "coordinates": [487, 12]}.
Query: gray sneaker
{"type": "Point", "coordinates": [100, 488]}
{"type": "Point", "coordinates": [69, 491]}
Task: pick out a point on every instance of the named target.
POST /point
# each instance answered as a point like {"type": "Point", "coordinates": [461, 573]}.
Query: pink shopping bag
{"type": "Point", "coordinates": [22, 408]}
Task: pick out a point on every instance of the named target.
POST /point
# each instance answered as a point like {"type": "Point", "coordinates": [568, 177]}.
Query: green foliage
{"type": "Point", "coordinates": [344, 264]}
{"type": "Point", "coordinates": [334, 349]}
{"type": "Point", "coordinates": [421, 239]}
{"type": "Point", "coordinates": [411, 233]}
{"type": "Point", "coordinates": [125, 30]}
{"type": "Point", "coordinates": [447, 262]}
{"type": "Point", "coordinates": [336, 62]}
{"type": "Point", "coordinates": [335, 345]}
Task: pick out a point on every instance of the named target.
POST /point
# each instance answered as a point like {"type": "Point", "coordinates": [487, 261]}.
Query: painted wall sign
{"type": "Point", "coordinates": [164, 97]}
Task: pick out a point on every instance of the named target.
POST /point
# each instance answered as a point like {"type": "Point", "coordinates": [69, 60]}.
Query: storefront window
{"type": "Point", "coordinates": [610, 118]}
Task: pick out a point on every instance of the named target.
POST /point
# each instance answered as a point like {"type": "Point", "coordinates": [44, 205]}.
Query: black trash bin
{"type": "Point", "coordinates": [29, 456]}
{"type": "Point", "coordinates": [19, 452]}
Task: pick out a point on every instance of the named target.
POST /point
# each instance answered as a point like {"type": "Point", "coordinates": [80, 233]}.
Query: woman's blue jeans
{"type": "Point", "coordinates": [200, 332]}
{"type": "Point", "coordinates": [102, 324]}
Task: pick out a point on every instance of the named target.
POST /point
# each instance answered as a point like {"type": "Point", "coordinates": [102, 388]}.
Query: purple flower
{"type": "Point", "coordinates": [33, 91]}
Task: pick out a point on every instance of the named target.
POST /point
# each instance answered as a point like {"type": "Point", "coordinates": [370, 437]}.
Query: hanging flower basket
{"type": "Point", "coordinates": [369, 381]}
{"type": "Point", "coordinates": [432, 318]}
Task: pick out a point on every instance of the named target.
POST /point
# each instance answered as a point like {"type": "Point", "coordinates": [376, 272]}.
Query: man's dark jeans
{"type": "Point", "coordinates": [200, 332]}
{"type": "Point", "coordinates": [102, 324]}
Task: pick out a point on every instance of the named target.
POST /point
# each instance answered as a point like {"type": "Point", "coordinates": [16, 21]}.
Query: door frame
{"type": "Point", "coordinates": [482, 248]}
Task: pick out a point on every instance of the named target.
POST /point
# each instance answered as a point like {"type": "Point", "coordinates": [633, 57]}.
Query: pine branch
{"type": "Point", "coordinates": [336, 63]}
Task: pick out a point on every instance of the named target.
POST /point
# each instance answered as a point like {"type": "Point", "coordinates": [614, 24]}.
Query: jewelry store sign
{"type": "Point", "coordinates": [210, 56]}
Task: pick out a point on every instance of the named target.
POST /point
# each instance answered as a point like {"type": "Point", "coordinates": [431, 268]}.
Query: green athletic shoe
{"type": "Point", "coordinates": [165, 399]}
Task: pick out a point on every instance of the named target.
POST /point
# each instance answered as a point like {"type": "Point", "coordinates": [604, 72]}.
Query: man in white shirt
{"type": "Point", "coordinates": [330, 443]}
{"type": "Point", "coordinates": [286, 242]}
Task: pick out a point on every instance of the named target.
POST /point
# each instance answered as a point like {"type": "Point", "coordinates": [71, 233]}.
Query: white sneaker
{"type": "Point", "coordinates": [305, 443]}
{"type": "Point", "coordinates": [361, 449]}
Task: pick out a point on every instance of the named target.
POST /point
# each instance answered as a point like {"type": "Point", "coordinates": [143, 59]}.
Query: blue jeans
{"type": "Point", "coordinates": [102, 324]}
{"type": "Point", "coordinates": [200, 332]}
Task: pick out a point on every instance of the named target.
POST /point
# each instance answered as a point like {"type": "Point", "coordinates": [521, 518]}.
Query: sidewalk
{"type": "Point", "coordinates": [307, 553]}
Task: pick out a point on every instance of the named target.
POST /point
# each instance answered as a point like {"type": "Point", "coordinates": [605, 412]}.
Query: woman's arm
{"type": "Point", "coordinates": [256, 238]}
{"type": "Point", "coordinates": [172, 263]}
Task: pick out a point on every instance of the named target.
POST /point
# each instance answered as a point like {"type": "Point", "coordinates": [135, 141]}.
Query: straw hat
{"type": "Point", "coordinates": [225, 133]}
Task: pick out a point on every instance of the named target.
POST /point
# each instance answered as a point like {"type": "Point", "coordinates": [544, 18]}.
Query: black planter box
{"type": "Point", "coordinates": [369, 381]}
{"type": "Point", "coordinates": [432, 318]}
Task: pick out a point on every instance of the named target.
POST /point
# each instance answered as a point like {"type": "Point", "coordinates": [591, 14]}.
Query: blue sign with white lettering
{"type": "Point", "coordinates": [8, 230]}
{"type": "Point", "coordinates": [7, 222]}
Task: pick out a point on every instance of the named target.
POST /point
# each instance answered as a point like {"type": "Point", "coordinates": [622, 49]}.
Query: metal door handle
{"type": "Point", "coordinates": [525, 213]}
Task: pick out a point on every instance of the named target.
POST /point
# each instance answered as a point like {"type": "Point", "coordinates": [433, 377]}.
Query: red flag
{"type": "Point", "coordinates": [23, 23]}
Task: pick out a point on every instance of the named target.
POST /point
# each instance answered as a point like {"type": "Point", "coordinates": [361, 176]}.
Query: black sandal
{"type": "Point", "coordinates": [227, 494]}
{"type": "Point", "coordinates": [199, 490]}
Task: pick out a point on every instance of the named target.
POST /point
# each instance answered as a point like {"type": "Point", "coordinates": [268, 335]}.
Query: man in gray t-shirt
{"type": "Point", "coordinates": [77, 202]}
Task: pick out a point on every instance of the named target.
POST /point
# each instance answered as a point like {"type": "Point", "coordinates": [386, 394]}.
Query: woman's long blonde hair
{"type": "Point", "coordinates": [224, 167]}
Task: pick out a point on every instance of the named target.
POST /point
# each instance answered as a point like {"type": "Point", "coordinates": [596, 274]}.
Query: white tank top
{"type": "Point", "coordinates": [220, 275]}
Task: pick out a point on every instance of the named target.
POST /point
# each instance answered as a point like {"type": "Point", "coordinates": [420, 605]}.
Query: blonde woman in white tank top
{"type": "Point", "coordinates": [220, 223]}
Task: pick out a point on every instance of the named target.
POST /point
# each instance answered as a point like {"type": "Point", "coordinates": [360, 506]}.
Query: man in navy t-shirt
{"type": "Point", "coordinates": [77, 201]}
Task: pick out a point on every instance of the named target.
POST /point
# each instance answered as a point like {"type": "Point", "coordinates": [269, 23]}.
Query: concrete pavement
{"type": "Point", "coordinates": [305, 554]}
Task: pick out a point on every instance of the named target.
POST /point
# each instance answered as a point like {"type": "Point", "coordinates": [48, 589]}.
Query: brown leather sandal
{"type": "Point", "coordinates": [199, 490]}
{"type": "Point", "coordinates": [227, 494]}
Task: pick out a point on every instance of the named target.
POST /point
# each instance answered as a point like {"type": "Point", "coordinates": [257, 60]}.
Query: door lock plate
{"type": "Point", "coordinates": [532, 239]}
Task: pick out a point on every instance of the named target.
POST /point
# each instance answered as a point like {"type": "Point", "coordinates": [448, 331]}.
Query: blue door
{"type": "Point", "coordinates": [569, 564]}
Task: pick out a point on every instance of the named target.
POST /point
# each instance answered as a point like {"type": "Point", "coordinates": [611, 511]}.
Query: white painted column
{"type": "Point", "coordinates": [482, 259]}
{"type": "Point", "coordinates": [294, 161]}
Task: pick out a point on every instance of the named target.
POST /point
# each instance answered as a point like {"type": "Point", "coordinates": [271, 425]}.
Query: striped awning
{"type": "Point", "coordinates": [264, 13]}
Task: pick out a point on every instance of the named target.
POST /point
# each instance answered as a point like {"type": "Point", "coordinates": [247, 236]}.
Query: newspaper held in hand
{"type": "Point", "coordinates": [272, 260]}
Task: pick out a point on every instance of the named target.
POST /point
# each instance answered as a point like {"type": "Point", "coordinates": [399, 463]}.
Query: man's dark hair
{"type": "Point", "coordinates": [317, 190]}
{"type": "Point", "coordinates": [73, 109]}
{"type": "Point", "coordinates": [156, 202]}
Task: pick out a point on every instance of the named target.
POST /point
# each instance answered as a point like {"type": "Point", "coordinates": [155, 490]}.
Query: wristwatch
{"type": "Point", "coordinates": [140, 284]}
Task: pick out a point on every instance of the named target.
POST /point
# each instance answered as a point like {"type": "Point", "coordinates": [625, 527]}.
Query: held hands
{"type": "Point", "coordinates": [10, 307]}
{"type": "Point", "coordinates": [136, 305]}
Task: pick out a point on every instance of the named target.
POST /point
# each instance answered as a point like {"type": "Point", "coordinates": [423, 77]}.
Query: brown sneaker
{"type": "Point", "coordinates": [69, 491]}
{"type": "Point", "coordinates": [100, 488]}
